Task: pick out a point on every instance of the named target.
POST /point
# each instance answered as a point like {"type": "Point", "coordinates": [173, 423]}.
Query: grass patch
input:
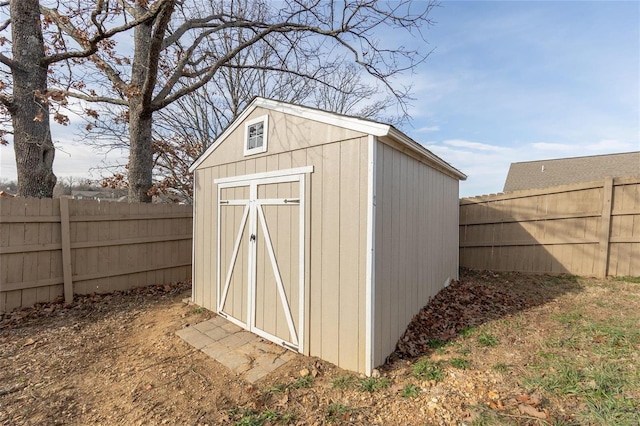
{"type": "Point", "coordinates": [344, 381]}
{"type": "Point", "coordinates": [487, 339]}
{"type": "Point", "coordinates": [612, 411]}
{"type": "Point", "coordinates": [460, 363]}
{"type": "Point", "coordinates": [627, 279]}
{"type": "Point", "coordinates": [501, 367]}
{"type": "Point", "coordinates": [436, 343]}
{"type": "Point", "coordinates": [568, 318]}
{"type": "Point", "coordinates": [602, 377]}
{"type": "Point", "coordinates": [255, 418]}
{"type": "Point", "coordinates": [338, 412]}
{"type": "Point", "coordinates": [410, 391]}
{"type": "Point", "coordinates": [303, 382]}
{"type": "Point", "coordinates": [467, 331]}
{"type": "Point", "coordinates": [371, 384]}
{"type": "Point", "coordinates": [428, 370]}
{"type": "Point", "coordinates": [560, 280]}
{"type": "Point", "coordinates": [276, 389]}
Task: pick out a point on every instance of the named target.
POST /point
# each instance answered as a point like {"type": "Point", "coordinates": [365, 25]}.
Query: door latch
{"type": "Point", "coordinates": [253, 237]}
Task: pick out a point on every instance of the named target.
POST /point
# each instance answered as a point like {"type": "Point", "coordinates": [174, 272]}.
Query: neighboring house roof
{"type": "Point", "coordinates": [353, 123]}
{"type": "Point", "coordinates": [564, 171]}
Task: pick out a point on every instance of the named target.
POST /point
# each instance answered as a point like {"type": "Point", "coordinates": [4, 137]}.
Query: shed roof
{"type": "Point", "coordinates": [564, 171]}
{"type": "Point", "coordinates": [353, 123]}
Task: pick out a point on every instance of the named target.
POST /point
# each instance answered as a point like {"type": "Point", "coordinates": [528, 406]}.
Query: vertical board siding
{"type": "Point", "coordinates": [416, 242]}
{"type": "Point", "coordinates": [336, 206]}
{"type": "Point", "coordinates": [114, 246]}
{"type": "Point", "coordinates": [555, 230]}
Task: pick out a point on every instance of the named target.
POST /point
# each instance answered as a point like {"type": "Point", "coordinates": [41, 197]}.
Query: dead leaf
{"type": "Point", "coordinates": [284, 400]}
{"type": "Point", "coordinates": [29, 342]}
{"type": "Point", "coordinates": [535, 399]}
{"type": "Point", "coordinates": [531, 411]}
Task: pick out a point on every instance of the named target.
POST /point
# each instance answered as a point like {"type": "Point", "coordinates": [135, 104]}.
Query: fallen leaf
{"type": "Point", "coordinates": [531, 411]}
{"type": "Point", "coordinates": [535, 400]}
{"type": "Point", "coordinates": [283, 402]}
{"type": "Point", "coordinates": [29, 342]}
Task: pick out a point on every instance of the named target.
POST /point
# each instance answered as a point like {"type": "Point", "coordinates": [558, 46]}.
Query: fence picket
{"type": "Point", "coordinates": [583, 229]}
{"type": "Point", "coordinates": [50, 248]}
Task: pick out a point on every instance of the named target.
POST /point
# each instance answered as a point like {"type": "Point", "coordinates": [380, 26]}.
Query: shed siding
{"type": "Point", "coordinates": [416, 246]}
{"type": "Point", "coordinates": [336, 223]}
{"type": "Point", "coordinates": [285, 133]}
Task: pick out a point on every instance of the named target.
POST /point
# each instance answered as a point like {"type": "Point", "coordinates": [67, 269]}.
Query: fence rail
{"type": "Point", "coordinates": [584, 229]}
{"type": "Point", "coordinates": [55, 247]}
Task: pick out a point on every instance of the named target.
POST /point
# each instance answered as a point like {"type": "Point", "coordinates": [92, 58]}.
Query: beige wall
{"type": "Point", "coordinates": [336, 212]}
{"type": "Point", "coordinates": [416, 242]}
{"type": "Point", "coordinates": [286, 133]}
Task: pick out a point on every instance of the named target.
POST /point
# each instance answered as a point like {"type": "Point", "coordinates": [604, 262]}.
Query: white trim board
{"type": "Point", "coordinates": [370, 266]}
{"type": "Point", "coordinates": [265, 175]}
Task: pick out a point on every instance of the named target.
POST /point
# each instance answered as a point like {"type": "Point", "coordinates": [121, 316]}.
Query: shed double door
{"type": "Point", "coordinates": [261, 257]}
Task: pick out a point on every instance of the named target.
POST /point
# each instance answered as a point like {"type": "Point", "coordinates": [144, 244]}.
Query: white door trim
{"type": "Point", "coordinates": [254, 216]}
{"type": "Point", "coordinates": [264, 175]}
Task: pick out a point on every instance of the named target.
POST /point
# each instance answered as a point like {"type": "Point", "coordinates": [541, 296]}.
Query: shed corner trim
{"type": "Point", "coordinates": [370, 262]}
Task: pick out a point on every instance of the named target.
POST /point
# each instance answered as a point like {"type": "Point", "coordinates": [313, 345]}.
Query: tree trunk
{"type": "Point", "coordinates": [140, 139]}
{"type": "Point", "coordinates": [140, 152]}
{"type": "Point", "coordinates": [30, 115]}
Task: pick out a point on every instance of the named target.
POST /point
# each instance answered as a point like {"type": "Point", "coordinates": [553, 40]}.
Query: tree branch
{"type": "Point", "coordinates": [5, 24]}
{"type": "Point", "coordinates": [91, 45]}
{"type": "Point", "coordinates": [6, 100]}
{"type": "Point", "coordinates": [89, 98]}
{"type": "Point", "coordinates": [160, 28]}
{"type": "Point", "coordinates": [9, 62]}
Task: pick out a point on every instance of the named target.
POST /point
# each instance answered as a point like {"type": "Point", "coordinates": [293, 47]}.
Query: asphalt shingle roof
{"type": "Point", "coordinates": [564, 171]}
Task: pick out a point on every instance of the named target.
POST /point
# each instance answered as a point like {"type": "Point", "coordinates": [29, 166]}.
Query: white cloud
{"type": "Point", "coordinates": [427, 129]}
{"type": "Point", "coordinates": [475, 145]}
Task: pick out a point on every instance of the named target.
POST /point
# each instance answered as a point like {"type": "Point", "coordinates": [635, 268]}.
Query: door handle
{"type": "Point", "coordinates": [253, 237]}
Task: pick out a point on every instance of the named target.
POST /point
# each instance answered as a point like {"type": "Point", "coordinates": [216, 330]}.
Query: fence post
{"type": "Point", "coordinates": [66, 249]}
{"type": "Point", "coordinates": [605, 226]}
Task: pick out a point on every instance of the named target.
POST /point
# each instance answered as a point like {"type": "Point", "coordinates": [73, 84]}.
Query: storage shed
{"type": "Point", "coordinates": [322, 232]}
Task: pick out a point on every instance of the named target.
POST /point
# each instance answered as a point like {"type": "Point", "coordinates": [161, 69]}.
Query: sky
{"type": "Point", "coordinates": [506, 81]}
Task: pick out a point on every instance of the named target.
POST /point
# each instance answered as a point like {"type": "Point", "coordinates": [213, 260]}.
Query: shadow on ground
{"type": "Point", "coordinates": [478, 297]}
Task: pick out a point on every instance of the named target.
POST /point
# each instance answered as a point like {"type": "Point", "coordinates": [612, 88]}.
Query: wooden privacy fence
{"type": "Point", "coordinates": [583, 229]}
{"type": "Point", "coordinates": [54, 247]}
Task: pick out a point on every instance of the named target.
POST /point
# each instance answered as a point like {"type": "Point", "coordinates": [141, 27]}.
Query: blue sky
{"type": "Point", "coordinates": [507, 81]}
{"type": "Point", "coordinates": [517, 81]}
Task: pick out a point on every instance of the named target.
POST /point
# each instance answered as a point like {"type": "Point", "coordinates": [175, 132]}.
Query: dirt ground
{"type": "Point", "coordinates": [115, 360]}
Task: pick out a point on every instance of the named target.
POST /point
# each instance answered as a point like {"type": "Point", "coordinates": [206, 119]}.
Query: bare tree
{"type": "Point", "coordinates": [25, 75]}
{"type": "Point", "coordinates": [186, 128]}
{"type": "Point", "coordinates": [173, 54]}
